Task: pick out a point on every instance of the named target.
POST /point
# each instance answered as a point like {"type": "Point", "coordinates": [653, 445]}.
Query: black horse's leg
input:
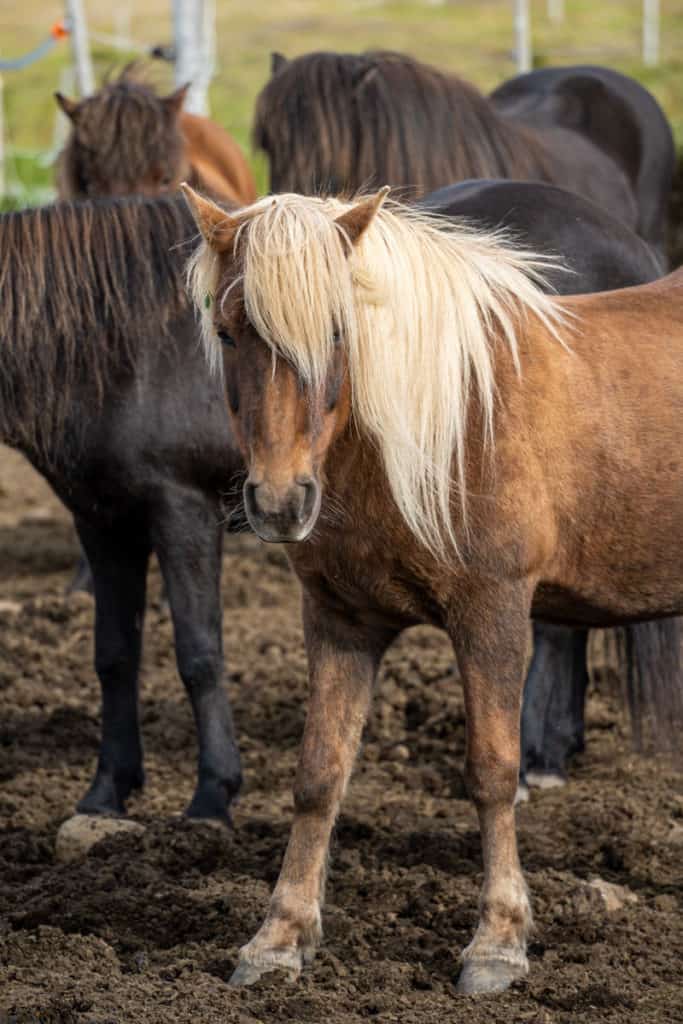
{"type": "Point", "coordinates": [119, 567]}
{"type": "Point", "coordinates": [188, 540]}
{"type": "Point", "coordinates": [554, 695]}
{"type": "Point", "coordinates": [81, 581]}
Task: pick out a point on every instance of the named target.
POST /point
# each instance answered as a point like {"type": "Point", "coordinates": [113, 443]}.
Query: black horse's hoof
{"type": "Point", "coordinates": [489, 975]}
{"type": "Point", "coordinates": [211, 802]}
{"type": "Point", "coordinates": [108, 797]}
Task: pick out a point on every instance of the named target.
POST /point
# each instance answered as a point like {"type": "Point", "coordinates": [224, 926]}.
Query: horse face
{"type": "Point", "coordinates": [283, 426]}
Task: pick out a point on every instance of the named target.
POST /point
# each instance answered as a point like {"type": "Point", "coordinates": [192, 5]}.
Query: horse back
{"type": "Point", "coordinates": [217, 162]}
{"type": "Point", "coordinates": [616, 114]}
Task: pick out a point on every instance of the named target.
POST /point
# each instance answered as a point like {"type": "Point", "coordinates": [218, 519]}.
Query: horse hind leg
{"type": "Point", "coordinates": [187, 537]}
{"type": "Point", "coordinates": [553, 708]}
{"type": "Point", "coordinates": [119, 568]}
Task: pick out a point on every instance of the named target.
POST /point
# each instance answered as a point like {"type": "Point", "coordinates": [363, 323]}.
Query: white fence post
{"type": "Point", "coordinates": [194, 23]}
{"type": "Point", "coordinates": [78, 28]}
{"type": "Point", "coordinates": [522, 36]}
{"type": "Point", "coordinates": [651, 32]}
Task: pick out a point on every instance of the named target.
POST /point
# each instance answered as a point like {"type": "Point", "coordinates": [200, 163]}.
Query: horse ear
{"type": "Point", "coordinates": [277, 62]}
{"type": "Point", "coordinates": [217, 227]}
{"type": "Point", "coordinates": [69, 106]}
{"type": "Point", "coordinates": [174, 101]}
{"type": "Point", "coordinates": [356, 220]}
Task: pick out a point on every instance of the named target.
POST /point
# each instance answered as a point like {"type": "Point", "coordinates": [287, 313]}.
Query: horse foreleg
{"type": "Point", "coordinates": [343, 661]}
{"type": "Point", "coordinates": [490, 643]}
{"type": "Point", "coordinates": [187, 538]}
{"type": "Point", "coordinates": [119, 568]}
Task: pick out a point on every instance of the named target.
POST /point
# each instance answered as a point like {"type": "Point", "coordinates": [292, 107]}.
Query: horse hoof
{"type": "Point", "coordinates": [545, 780]}
{"type": "Point", "coordinates": [478, 977]}
{"type": "Point", "coordinates": [246, 973]}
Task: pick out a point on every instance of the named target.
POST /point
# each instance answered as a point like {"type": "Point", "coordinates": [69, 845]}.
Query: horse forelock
{"type": "Point", "coordinates": [121, 133]}
{"type": "Point", "coordinates": [418, 305]}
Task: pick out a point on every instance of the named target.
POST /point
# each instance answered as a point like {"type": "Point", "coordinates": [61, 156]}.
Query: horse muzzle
{"type": "Point", "coordinates": [282, 516]}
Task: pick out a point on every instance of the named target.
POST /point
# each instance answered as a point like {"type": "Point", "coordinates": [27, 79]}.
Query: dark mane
{"type": "Point", "coordinates": [83, 287]}
{"type": "Point", "coordinates": [123, 134]}
{"type": "Point", "coordinates": [332, 122]}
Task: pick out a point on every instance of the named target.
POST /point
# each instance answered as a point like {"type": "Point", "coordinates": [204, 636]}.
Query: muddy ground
{"type": "Point", "coordinates": [147, 928]}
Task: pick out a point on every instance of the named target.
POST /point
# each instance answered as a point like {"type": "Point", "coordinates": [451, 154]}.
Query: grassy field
{"type": "Point", "coordinates": [474, 39]}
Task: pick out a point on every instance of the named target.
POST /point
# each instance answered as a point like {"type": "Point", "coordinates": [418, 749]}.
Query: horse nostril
{"type": "Point", "coordinates": [249, 494]}
{"type": "Point", "coordinates": [310, 495]}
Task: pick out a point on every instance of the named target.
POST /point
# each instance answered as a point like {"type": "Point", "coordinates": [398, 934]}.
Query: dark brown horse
{"type": "Point", "coordinates": [126, 139]}
{"type": "Point", "coordinates": [338, 123]}
{"type": "Point", "coordinates": [103, 387]}
{"type": "Point", "coordinates": [491, 455]}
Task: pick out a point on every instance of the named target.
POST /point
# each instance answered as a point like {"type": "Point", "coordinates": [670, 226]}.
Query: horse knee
{"type": "Point", "coordinates": [492, 782]}
{"type": "Point", "coordinates": [200, 670]}
{"type": "Point", "coordinates": [319, 793]}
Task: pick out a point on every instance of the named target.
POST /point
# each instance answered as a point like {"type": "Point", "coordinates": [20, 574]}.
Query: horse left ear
{"type": "Point", "coordinates": [68, 106]}
{"type": "Point", "coordinates": [358, 219]}
{"type": "Point", "coordinates": [174, 101]}
{"type": "Point", "coordinates": [217, 227]}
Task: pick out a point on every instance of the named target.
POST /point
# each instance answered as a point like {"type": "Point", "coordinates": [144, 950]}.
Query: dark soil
{"type": "Point", "coordinates": [147, 927]}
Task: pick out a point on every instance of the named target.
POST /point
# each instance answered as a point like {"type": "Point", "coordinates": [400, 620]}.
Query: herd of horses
{"type": "Point", "coordinates": [459, 404]}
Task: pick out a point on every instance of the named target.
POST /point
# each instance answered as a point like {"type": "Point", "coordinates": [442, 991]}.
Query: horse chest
{"type": "Point", "coordinates": [370, 581]}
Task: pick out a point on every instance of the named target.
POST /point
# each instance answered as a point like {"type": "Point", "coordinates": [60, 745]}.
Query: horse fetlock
{"type": "Point", "coordinates": [287, 941]}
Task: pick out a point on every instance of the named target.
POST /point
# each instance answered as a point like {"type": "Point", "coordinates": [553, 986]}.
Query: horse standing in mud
{"type": "Point", "coordinates": [496, 455]}
{"type": "Point", "coordinates": [339, 123]}
{"type": "Point", "coordinates": [103, 387]}
{"type": "Point", "coordinates": [127, 140]}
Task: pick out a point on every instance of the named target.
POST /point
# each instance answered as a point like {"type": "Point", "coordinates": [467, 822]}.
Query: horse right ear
{"type": "Point", "coordinates": [68, 106]}
{"type": "Point", "coordinates": [277, 62]}
{"type": "Point", "coordinates": [217, 227]}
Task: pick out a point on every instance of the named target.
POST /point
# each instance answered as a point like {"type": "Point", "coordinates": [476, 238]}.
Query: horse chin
{"type": "Point", "coordinates": [273, 533]}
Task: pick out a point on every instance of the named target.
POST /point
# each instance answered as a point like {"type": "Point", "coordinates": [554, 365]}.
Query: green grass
{"type": "Point", "coordinates": [474, 39]}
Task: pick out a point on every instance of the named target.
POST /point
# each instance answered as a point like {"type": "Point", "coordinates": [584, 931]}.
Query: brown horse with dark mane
{"type": "Point", "coordinates": [438, 441]}
{"type": "Point", "coordinates": [128, 140]}
{"type": "Point", "coordinates": [339, 123]}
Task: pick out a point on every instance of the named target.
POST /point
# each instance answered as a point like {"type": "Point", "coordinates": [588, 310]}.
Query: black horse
{"type": "Point", "coordinates": [104, 388]}
{"type": "Point", "coordinates": [339, 122]}
{"type": "Point", "coordinates": [600, 254]}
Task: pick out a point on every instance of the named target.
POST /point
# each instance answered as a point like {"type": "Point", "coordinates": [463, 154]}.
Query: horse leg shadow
{"type": "Point", "coordinates": [188, 540]}
{"type": "Point", "coordinates": [553, 705]}
{"type": "Point", "coordinates": [119, 573]}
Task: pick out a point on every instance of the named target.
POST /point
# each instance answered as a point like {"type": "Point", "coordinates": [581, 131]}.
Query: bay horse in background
{"type": "Point", "coordinates": [492, 454]}
{"type": "Point", "coordinates": [596, 253]}
{"type": "Point", "coordinates": [125, 140]}
{"type": "Point", "coordinates": [339, 123]}
{"type": "Point", "coordinates": [104, 388]}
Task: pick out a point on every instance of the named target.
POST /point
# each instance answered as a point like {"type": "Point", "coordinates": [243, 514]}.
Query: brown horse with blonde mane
{"type": "Point", "coordinates": [438, 441]}
{"type": "Point", "coordinates": [126, 140]}
{"type": "Point", "coordinates": [334, 123]}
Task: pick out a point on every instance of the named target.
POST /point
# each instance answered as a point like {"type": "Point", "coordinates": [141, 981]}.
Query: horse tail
{"type": "Point", "coordinates": [652, 680]}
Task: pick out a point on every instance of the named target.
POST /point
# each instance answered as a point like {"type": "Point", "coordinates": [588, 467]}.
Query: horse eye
{"type": "Point", "coordinates": [226, 339]}
{"type": "Point", "coordinates": [336, 337]}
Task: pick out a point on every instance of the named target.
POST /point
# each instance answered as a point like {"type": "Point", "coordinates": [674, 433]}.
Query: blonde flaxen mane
{"type": "Point", "coordinates": [417, 304]}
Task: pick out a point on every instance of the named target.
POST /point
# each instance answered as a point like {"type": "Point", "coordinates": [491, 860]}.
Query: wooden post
{"type": "Point", "coordinates": [78, 28]}
{"type": "Point", "coordinates": [651, 32]}
{"type": "Point", "coordinates": [522, 36]}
